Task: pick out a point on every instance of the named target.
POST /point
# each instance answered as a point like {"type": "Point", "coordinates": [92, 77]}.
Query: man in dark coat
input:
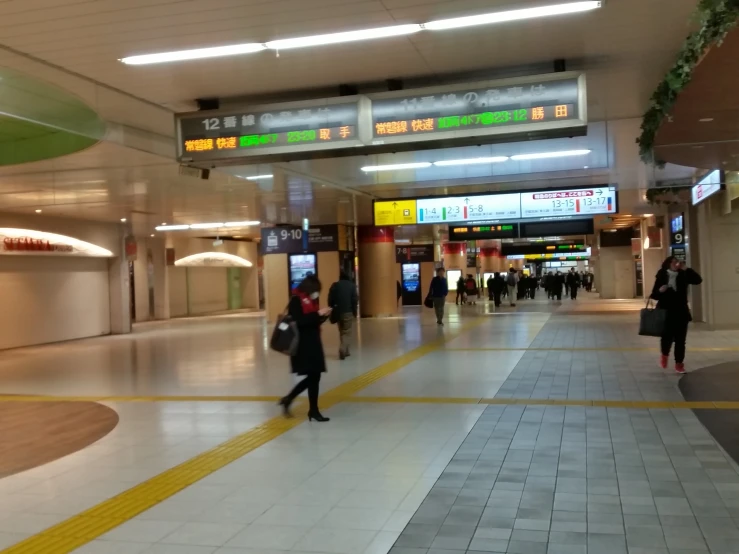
{"type": "Point", "coordinates": [343, 299]}
{"type": "Point", "coordinates": [556, 282]}
{"type": "Point", "coordinates": [573, 283]}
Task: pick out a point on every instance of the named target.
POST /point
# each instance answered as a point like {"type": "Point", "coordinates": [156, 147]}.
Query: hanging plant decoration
{"type": "Point", "coordinates": [716, 18]}
{"type": "Point", "coordinates": [669, 195]}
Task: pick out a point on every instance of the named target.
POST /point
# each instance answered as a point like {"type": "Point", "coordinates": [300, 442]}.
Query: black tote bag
{"type": "Point", "coordinates": [652, 321]}
{"type": "Point", "coordinates": [285, 335]}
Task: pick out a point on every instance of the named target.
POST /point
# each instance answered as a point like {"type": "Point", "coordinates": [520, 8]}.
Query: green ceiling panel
{"type": "Point", "coordinates": [39, 121]}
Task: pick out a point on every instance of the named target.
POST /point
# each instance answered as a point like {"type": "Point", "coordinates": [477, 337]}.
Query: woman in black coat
{"type": "Point", "coordinates": [309, 359]}
{"type": "Point", "coordinates": [670, 290]}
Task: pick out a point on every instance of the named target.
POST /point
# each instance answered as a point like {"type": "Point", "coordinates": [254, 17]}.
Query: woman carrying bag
{"type": "Point", "coordinates": [308, 360]}
{"type": "Point", "coordinates": [670, 290]}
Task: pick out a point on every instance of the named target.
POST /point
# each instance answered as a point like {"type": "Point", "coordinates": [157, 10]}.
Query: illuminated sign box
{"type": "Point", "coordinates": [483, 112]}
{"type": "Point", "coordinates": [707, 186]}
{"type": "Point", "coordinates": [489, 209]}
{"type": "Point", "coordinates": [501, 108]}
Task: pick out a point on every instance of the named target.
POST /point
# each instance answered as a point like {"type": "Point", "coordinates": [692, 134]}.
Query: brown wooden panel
{"type": "Point", "coordinates": [36, 433]}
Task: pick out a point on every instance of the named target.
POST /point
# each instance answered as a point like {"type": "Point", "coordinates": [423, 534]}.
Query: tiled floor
{"type": "Point", "coordinates": [400, 477]}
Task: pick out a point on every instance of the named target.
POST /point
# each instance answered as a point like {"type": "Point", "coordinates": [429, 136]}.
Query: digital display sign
{"type": "Point", "coordinates": [483, 232]}
{"type": "Point", "coordinates": [478, 108]}
{"type": "Point", "coordinates": [498, 208]}
{"type": "Point", "coordinates": [483, 112]}
{"type": "Point", "coordinates": [268, 129]}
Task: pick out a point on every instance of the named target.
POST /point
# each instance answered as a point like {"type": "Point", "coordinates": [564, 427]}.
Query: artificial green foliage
{"type": "Point", "coordinates": [669, 195]}
{"type": "Point", "coordinates": [715, 18]}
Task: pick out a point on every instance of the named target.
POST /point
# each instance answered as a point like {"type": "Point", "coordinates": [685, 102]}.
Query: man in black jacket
{"type": "Point", "coordinates": [342, 297]}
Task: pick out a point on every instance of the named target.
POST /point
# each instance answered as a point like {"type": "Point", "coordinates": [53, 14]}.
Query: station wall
{"type": "Point", "coordinates": [48, 299]}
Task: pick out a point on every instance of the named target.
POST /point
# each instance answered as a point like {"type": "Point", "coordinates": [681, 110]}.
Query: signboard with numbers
{"type": "Point", "coordinates": [491, 209]}
{"type": "Point", "coordinates": [269, 129]}
{"type": "Point", "coordinates": [483, 232]}
{"type": "Point", "coordinates": [573, 202]}
{"type": "Point", "coordinates": [292, 240]}
{"type": "Point", "coordinates": [522, 108]}
{"type": "Point", "coordinates": [501, 107]}
{"type": "Point", "coordinates": [417, 253]}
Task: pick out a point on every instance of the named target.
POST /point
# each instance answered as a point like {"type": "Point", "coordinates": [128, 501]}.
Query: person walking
{"type": "Point", "coordinates": [470, 289]}
{"type": "Point", "coordinates": [460, 290]}
{"type": "Point", "coordinates": [438, 290]}
{"type": "Point", "coordinates": [670, 290]}
{"type": "Point", "coordinates": [309, 360]}
{"type": "Point", "coordinates": [343, 299]}
{"type": "Point", "coordinates": [498, 288]}
{"type": "Point", "coordinates": [533, 285]}
{"type": "Point", "coordinates": [491, 286]}
{"type": "Point", "coordinates": [558, 281]}
{"type": "Point", "coordinates": [573, 283]}
{"type": "Point", "coordinates": [511, 282]}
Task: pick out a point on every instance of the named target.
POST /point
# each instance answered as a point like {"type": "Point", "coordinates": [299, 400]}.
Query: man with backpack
{"type": "Point", "coordinates": [342, 297]}
{"type": "Point", "coordinates": [511, 282]}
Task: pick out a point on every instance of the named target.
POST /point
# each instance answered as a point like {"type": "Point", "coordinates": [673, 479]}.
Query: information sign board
{"type": "Point", "coordinates": [487, 106]}
{"type": "Point", "coordinates": [483, 232]}
{"type": "Point", "coordinates": [574, 202]}
{"type": "Point", "coordinates": [489, 209]}
{"type": "Point", "coordinates": [708, 186]}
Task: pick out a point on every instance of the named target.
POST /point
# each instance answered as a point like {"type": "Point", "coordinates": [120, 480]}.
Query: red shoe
{"type": "Point", "coordinates": [663, 361]}
{"type": "Point", "coordinates": [680, 368]}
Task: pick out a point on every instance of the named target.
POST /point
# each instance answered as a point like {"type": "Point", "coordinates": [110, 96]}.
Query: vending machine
{"type": "Point", "coordinates": [410, 280]}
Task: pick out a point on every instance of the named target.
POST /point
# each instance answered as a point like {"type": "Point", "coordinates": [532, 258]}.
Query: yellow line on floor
{"type": "Point", "coordinates": [590, 349]}
{"type": "Point", "coordinates": [189, 398]}
{"type": "Point", "coordinates": [641, 404]}
{"type": "Point", "coordinates": [98, 520]}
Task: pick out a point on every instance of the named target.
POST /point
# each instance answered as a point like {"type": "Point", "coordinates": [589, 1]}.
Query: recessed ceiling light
{"type": "Point", "coordinates": [38, 211]}
{"type": "Point", "coordinates": [206, 225]}
{"type": "Point", "coordinates": [510, 15]}
{"type": "Point", "coordinates": [545, 155]}
{"type": "Point", "coordinates": [256, 177]}
{"type": "Point", "coordinates": [123, 220]}
{"type": "Point", "coordinates": [241, 223]}
{"type": "Point", "coordinates": [394, 167]}
{"type": "Point", "coordinates": [195, 54]}
{"type": "Point", "coordinates": [164, 222]}
{"type": "Point", "coordinates": [152, 235]}
{"type": "Point", "coordinates": [705, 119]}
{"type": "Point", "coordinates": [172, 227]}
{"type": "Point", "coordinates": [472, 161]}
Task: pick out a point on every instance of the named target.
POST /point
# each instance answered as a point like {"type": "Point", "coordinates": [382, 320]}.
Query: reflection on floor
{"type": "Point", "coordinates": [441, 476]}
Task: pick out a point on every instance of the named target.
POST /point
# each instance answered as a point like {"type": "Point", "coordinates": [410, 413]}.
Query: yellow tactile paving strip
{"type": "Point", "coordinates": [591, 349]}
{"type": "Point", "coordinates": [98, 520]}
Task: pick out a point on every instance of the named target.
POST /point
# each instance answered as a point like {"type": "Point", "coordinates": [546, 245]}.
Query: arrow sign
{"type": "Point", "coordinates": [395, 204]}
{"type": "Point", "coordinates": [600, 191]}
{"type": "Point", "coordinates": [466, 200]}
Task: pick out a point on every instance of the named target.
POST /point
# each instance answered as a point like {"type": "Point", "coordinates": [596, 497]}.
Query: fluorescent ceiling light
{"type": "Point", "coordinates": [545, 155]}
{"type": "Point", "coordinates": [393, 167]}
{"type": "Point", "coordinates": [473, 161]}
{"type": "Point", "coordinates": [172, 227]}
{"type": "Point", "coordinates": [511, 15]}
{"type": "Point", "coordinates": [240, 223]}
{"type": "Point", "coordinates": [350, 36]}
{"type": "Point", "coordinates": [206, 225]}
{"type": "Point", "coordinates": [256, 177]}
{"type": "Point", "coordinates": [196, 54]}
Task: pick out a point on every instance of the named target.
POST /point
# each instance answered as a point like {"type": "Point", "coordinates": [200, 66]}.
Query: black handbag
{"type": "Point", "coordinates": [429, 302]}
{"type": "Point", "coordinates": [285, 336]}
{"type": "Point", "coordinates": [652, 321]}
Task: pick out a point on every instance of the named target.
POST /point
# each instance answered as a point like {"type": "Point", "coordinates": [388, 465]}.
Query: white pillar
{"type": "Point", "coordinates": [120, 292]}
{"type": "Point", "coordinates": [161, 278]}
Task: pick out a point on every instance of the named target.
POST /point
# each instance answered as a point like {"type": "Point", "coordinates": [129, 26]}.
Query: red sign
{"type": "Point", "coordinates": [27, 244]}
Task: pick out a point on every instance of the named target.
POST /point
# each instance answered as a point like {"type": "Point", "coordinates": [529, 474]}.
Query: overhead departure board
{"type": "Point", "coordinates": [482, 112]}
{"type": "Point", "coordinates": [483, 232]}
{"type": "Point", "coordinates": [269, 129]}
{"type": "Point", "coordinates": [481, 107]}
{"type": "Point", "coordinates": [491, 209]}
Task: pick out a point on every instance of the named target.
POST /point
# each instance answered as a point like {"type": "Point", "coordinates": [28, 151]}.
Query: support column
{"type": "Point", "coordinates": [161, 282]}
{"type": "Point", "coordinates": [120, 292]}
{"type": "Point", "coordinates": [377, 275]}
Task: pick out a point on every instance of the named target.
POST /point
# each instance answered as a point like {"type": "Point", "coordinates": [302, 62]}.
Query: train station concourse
{"type": "Point", "coordinates": [369, 277]}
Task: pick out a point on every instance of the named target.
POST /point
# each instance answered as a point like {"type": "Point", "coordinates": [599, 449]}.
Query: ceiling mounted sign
{"type": "Point", "coordinates": [482, 112]}
{"type": "Point", "coordinates": [213, 259]}
{"type": "Point", "coordinates": [27, 242]}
